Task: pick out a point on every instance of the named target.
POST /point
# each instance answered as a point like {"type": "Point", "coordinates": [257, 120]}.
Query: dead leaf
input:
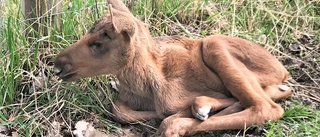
{"type": "Point", "coordinates": [85, 129]}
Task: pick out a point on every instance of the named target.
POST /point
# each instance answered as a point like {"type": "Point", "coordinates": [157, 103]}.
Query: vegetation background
{"type": "Point", "coordinates": [36, 103]}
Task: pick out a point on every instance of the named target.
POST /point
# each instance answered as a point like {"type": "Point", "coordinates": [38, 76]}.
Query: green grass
{"type": "Point", "coordinates": [298, 121]}
{"type": "Point", "coordinates": [32, 98]}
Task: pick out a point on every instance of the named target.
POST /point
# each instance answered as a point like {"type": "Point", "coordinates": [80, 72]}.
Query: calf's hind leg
{"type": "Point", "coordinates": [242, 84]}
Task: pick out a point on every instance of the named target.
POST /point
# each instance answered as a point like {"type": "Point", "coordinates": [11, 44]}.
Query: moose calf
{"type": "Point", "coordinates": [214, 83]}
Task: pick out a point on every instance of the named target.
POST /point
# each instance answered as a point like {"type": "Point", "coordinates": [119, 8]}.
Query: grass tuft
{"type": "Point", "coordinates": [297, 121]}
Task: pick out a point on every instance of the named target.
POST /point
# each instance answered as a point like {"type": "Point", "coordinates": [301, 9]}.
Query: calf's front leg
{"type": "Point", "coordinates": [125, 114]}
{"type": "Point", "coordinates": [239, 120]}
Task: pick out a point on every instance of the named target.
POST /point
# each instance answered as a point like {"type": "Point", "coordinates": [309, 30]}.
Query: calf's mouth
{"type": "Point", "coordinates": [65, 75]}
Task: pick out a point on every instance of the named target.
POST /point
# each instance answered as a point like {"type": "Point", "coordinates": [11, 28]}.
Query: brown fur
{"type": "Point", "coordinates": [176, 76]}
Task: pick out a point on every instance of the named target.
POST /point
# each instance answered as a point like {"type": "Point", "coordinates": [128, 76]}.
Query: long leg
{"type": "Point", "coordinates": [238, 79]}
{"type": "Point", "coordinates": [239, 120]}
{"type": "Point", "coordinates": [235, 75]}
{"type": "Point", "coordinates": [203, 105]}
{"type": "Point", "coordinates": [234, 108]}
{"type": "Point", "coordinates": [125, 114]}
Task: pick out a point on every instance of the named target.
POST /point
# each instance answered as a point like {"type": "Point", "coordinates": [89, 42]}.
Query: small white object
{"type": "Point", "coordinates": [81, 127]}
{"type": "Point", "coordinates": [56, 70]}
{"type": "Point", "coordinates": [283, 87]}
{"type": "Point", "coordinates": [203, 113]}
{"type": "Point", "coordinates": [114, 82]}
{"type": "Point", "coordinates": [85, 129]}
{"type": "Point", "coordinates": [70, 4]}
{"type": "Point", "coordinates": [114, 85]}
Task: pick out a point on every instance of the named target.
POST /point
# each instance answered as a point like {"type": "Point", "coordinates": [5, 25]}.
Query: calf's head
{"type": "Point", "coordinates": [106, 48]}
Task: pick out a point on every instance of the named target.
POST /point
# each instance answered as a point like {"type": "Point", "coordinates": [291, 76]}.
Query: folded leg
{"type": "Point", "coordinates": [242, 83]}
{"type": "Point", "coordinates": [203, 105]}
{"type": "Point", "coordinates": [239, 120]}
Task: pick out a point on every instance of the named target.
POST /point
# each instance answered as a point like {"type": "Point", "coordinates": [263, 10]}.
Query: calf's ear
{"type": "Point", "coordinates": [119, 5]}
{"type": "Point", "coordinates": [122, 21]}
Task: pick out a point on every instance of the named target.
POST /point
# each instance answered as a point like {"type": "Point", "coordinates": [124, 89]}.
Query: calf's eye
{"type": "Point", "coordinates": [96, 46]}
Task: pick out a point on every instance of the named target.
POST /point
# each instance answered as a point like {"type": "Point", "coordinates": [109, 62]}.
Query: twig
{"type": "Point", "coordinates": [313, 98]}
{"type": "Point", "coordinates": [303, 86]}
{"type": "Point", "coordinates": [311, 77]}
